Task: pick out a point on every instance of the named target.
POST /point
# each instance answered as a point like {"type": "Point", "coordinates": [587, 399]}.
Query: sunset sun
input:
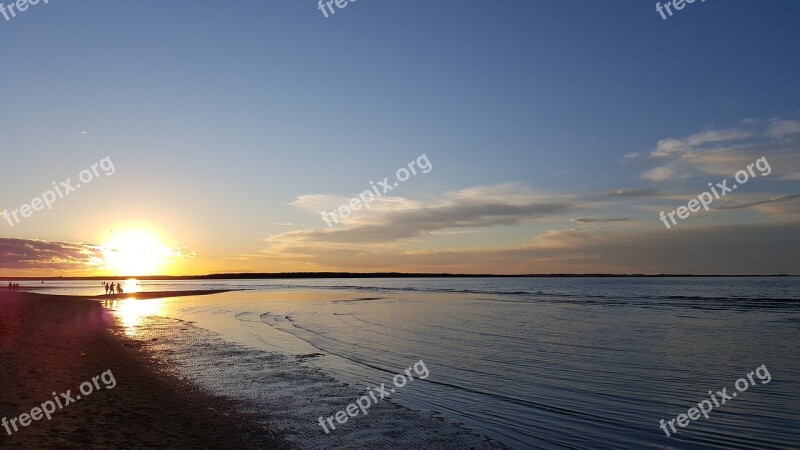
{"type": "Point", "coordinates": [135, 252]}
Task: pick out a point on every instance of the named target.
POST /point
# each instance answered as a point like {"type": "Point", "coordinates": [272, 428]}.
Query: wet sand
{"type": "Point", "coordinates": [55, 343]}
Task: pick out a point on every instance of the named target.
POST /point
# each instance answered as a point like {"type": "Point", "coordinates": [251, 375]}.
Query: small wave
{"type": "Point", "coordinates": [284, 393]}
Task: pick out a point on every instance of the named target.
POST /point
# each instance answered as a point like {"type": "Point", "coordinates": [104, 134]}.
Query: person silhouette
{"type": "Point", "coordinates": [9, 286]}
{"type": "Point", "coordinates": [119, 288]}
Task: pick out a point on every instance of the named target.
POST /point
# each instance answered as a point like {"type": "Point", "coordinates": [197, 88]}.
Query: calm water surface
{"type": "Point", "coordinates": [529, 362]}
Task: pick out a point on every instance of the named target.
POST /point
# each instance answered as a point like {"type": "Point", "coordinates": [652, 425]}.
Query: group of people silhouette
{"type": "Point", "coordinates": [111, 289]}
{"type": "Point", "coordinates": [13, 286]}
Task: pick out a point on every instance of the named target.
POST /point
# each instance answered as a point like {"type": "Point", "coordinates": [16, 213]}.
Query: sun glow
{"type": "Point", "coordinates": [135, 253]}
{"type": "Point", "coordinates": [131, 286]}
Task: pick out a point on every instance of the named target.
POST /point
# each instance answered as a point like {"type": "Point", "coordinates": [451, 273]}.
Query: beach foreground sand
{"type": "Point", "coordinates": [54, 343]}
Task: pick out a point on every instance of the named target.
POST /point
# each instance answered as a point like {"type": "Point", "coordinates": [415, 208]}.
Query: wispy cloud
{"type": "Point", "coordinates": [599, 219]}
{"type": "Point", "coordinates": [759, 249]}
{"type": "Point", "coordinates": [783, 198]}
{"type": "Point", "coordinates": [723, 152]}
{"type": "Point", "coordinates": [671, 147]}
{"type": "Point", "coordinates": [662, 173]}
{"type": "Point", "coordinates": [780, 129]}
{"type": "Point", "coordinates": [614, 235]}
{"type": "Point", "coordinates": [400, 218]}
{"type": "Point", "coordinates": [633, 193]}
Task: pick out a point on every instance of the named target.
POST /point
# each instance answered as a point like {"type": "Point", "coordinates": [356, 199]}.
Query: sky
{"type": "Point", "coordinates": [552, 134]}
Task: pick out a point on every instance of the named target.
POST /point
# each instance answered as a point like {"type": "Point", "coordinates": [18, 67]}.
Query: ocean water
{"type": "Point", "coordinates": [515, 362]}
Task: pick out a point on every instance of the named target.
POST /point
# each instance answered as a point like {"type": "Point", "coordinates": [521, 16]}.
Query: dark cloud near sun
{"type": "Point", "coordinates": [47, 255]}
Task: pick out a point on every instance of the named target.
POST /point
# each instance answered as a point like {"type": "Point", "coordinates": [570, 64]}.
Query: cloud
{"type": "Point", "coordinates": [783, 198]}
{"type": "Point", "coordinates": [633, 193]}
{"type": "Point", "coordinates": [662, 173]}
{"type": "Point", "coordinates": [672, 147]}
{"type": "Point", "coordinates": [318, 203]}
{"type": "Point", "coordinates": [758, 249]}
{"type": "Point", "coordinates": [397, 218]}
{"type": "Point", "coordinates": [599, 219]}
{"type": "Point", "coordinates": [780, 129]}
{"type": "Point", "coordinates": [617, 233]}
{"type": "Point", "coordinates": [63, 258]}
{"type": "Point", "coordinates": [724, 152]}
{"type": "Point", "coordinates": [47, 255]}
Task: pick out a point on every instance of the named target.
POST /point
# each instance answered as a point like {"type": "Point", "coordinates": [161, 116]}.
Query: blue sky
{"type": "Point", "coordinates": [229, 123]}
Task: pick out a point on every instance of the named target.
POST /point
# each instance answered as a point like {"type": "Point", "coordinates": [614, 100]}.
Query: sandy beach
{"type": "Point", "coordinates": [54, 343]}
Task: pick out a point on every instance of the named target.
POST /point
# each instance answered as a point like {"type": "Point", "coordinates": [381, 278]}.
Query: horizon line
{"type": "Point", "coordinates": [301, 275]}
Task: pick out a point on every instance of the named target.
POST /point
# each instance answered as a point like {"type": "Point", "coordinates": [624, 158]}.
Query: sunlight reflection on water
{"type": "Point", "coordinates": [130, 312]}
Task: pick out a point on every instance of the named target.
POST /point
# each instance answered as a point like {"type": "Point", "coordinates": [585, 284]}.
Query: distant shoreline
{"type": "Point", "coordinates": [345, 275]}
